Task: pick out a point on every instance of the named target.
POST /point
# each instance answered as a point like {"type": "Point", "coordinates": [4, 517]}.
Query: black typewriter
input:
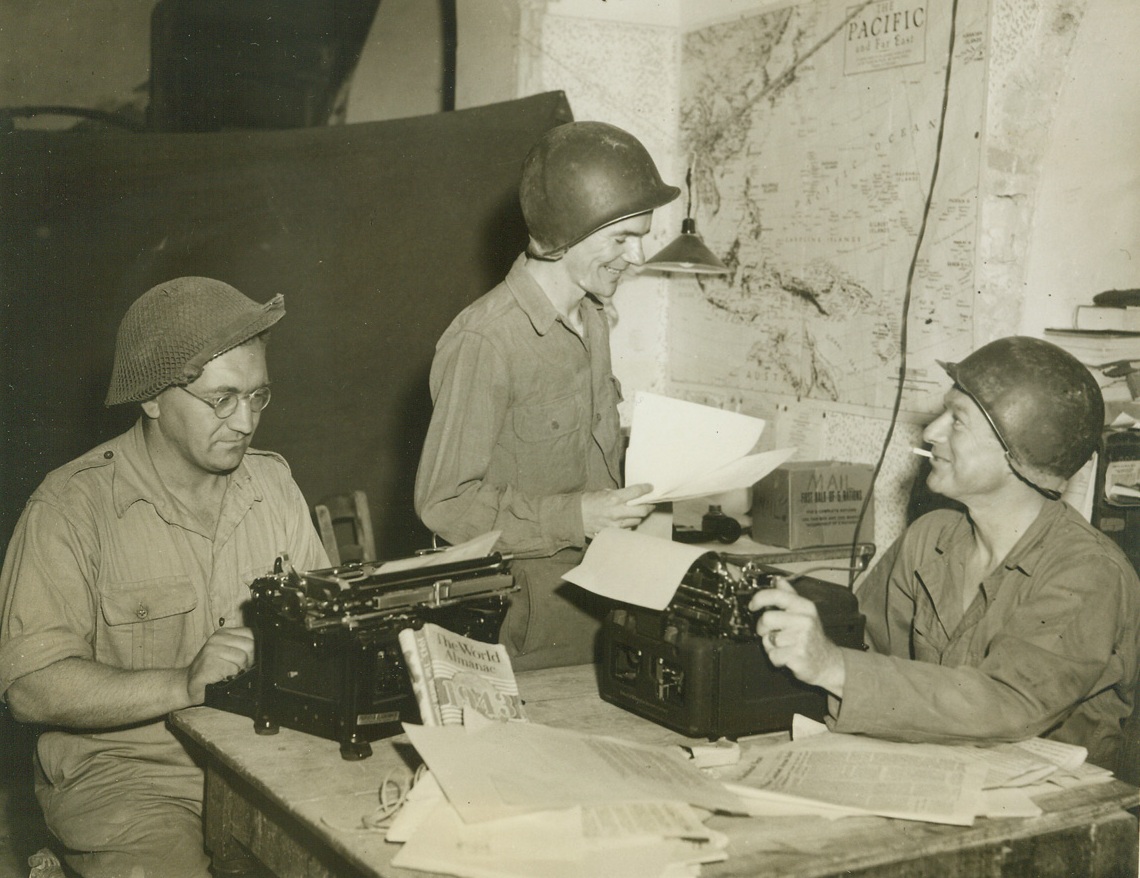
{"type": "Point", "coordinates": [699, 668]}
{"type": "Point", "coordinates": [328, 661]}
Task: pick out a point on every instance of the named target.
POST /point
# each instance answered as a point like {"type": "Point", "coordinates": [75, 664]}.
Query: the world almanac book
{"type": "Point", "coordinates": [451, 673]}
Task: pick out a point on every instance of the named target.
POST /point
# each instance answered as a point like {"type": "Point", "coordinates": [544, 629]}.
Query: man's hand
{"type": "Point", "coordinates": [793, 636]}
{"type": "Point", "coordinates": [602, 509]}
{"type": "Point", "coordinates": [228, 651]}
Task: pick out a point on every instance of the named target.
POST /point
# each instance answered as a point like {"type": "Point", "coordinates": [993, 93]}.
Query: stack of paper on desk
{"type": "Point", "coordinates": [935, 783]}
{"type": "Point", "coordinates": [908, 781]}
{"type": "Point", "coordinates": [636, 840]}
{"type": "Point", "coordinates": [526, 799]}
{"type": "Point", "coordinates": [507, 769]}
{"type": "Point", "coordinates": [685, 449]}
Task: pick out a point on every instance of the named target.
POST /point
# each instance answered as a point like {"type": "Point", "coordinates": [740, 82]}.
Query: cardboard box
{"type": "Point", "coordinates": [806, 503]}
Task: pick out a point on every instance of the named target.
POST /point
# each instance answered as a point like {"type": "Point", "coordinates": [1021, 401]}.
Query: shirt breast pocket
{"type": "Point", "coordinates": [548, 446]}
{"type": "Point", "coordinates": [147, 623]}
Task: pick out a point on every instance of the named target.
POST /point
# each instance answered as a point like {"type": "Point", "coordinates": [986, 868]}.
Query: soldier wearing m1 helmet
{"type": "Point", "coordinates": [1009, 618]}
{"type": "Point", "coordinates": [525, 437]}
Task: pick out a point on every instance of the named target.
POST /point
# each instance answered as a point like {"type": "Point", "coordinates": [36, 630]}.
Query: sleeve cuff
{"type": "Point", "coordinates": [562, 520]}
{"type": "Point", "coordinates": [843, 712]}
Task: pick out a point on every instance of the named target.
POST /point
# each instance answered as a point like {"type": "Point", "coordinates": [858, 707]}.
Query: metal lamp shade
{"type": "Point", "coordinates": [687, 254]}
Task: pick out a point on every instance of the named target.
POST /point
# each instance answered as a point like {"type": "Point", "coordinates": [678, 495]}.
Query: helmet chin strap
{"type": "Point", "coordinates": [555, 256]}
{"type": "Point", "coordinates": [1048, 493]}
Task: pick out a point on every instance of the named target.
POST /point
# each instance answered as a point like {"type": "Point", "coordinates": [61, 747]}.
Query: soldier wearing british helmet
{"type": "Point", "coordinates": [123, 583]}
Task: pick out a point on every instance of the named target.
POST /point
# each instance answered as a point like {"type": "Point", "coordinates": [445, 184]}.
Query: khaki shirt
{"type": "Point", "coordinates": [103, 566]}
{"type": "Point", "coordinates": [525, 420]}
{"type": "Point", "coordinates": [1049, 646]}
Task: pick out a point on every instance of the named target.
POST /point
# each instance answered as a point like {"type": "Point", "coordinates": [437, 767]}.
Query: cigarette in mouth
{"type": "Point", "coordinates": [922, 452]}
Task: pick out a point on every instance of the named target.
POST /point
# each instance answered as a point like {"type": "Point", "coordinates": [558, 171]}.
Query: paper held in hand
{"type": "Point", "coordinates": [686, 450]}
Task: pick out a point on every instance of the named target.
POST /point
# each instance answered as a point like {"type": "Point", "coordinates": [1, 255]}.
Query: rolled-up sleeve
{"type": "Point", "coordinates": [48, 604]}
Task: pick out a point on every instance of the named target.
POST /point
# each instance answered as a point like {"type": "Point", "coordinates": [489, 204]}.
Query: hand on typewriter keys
{"type": "Point", "coordinates": [228, 651]}
{"type": "Point", "coordinates": [793, 636]}
{"type": "Point", "coordinates": [614, 508]}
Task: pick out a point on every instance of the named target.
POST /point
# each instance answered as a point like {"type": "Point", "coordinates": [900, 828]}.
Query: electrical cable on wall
{"type": "Point", "coordinates": [905, 316]}
{"type": "Point", "coordinates": [783, 79]}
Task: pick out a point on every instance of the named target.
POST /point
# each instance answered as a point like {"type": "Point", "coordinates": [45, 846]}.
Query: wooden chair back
{"type": "Point", "coordinates": [345, 525]}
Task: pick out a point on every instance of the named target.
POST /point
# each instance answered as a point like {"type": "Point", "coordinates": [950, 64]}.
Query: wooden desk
{"type": "Point", "coordinates": [290, 800]}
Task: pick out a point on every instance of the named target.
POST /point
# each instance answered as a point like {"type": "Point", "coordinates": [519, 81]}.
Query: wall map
{"type": "Point", "coordinates": [812, 133]}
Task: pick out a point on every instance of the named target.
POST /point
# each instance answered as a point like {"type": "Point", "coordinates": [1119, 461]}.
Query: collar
{"type": "Point", "coordinates": [135, 477]}
{"type": "Point", "coordinates": [1026, 552]}
{"type": "Point", "coordinates": [532, 298]}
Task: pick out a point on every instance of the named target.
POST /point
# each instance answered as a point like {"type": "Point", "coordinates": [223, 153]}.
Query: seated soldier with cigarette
{"type": "Point", "coordinates": [1010, 618]}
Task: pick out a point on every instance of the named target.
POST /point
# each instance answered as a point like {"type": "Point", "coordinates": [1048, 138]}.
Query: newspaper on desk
{"type": "Point", "coordinates": [506, 769]}
{"type": "Point", "coordinates": [641, 840]}
{"type": "Point", "coordinates": [526, 799]}
{"type": "Point", "coordinates": [952, 784]}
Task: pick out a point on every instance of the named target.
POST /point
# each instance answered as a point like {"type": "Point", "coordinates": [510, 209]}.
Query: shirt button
{"type": "Point", "coordinates": [107, 455]}
{"type": "Point", "coordinates": [142, 612]}
{"type": "Point", "coordinates": [554, 425]}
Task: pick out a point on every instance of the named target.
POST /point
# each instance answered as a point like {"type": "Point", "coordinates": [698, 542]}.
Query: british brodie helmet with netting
{"type": "Point", "coordinates": [583, 176]}
{"type": "Point", "coordinates": [1044, 405]}
{"type": "Point", "coordinates": [172, 330]}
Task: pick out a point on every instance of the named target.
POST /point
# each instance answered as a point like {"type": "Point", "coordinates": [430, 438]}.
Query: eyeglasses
{"type": "Point", "coordinates": [225, 404]}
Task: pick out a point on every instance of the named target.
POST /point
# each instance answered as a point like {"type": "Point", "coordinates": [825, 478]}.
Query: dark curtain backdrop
{"type": "Point", "coordinates": [378, 234]}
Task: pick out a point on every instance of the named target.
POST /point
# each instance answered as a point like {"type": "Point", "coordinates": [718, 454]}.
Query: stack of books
{"type": "Point", "coordinates": [1110, 311]}
{"type": "Point", "coordinates": [1105, 336]}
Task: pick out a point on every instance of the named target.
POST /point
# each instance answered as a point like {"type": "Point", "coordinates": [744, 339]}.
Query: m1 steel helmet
{"type": "Point", "coordinates": [582, 176]}
{"type": "Point", "coordinates": [1042, 402]}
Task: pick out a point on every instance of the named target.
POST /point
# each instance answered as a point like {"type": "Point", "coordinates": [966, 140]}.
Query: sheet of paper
{"type": "Point", "coordinates": [639, 840]}
{"type": "Point", "coordinates": [633, 567]}
{"type": "Point", "coordinates": [765, 803]}
{"type": "Point", "coordinates": [658, 523]}
{"type": "Point", "coordinates": [806, 727]}
{"type": "Point", "coordinates": [515, 768]}
{"type": "Point", "coordinates": [1086, 775]}
{"type": "Point", "coordinates": [1008, 803]}
{"type": "Point", "coordinates": [905, 781]}
{"type": "Point", "coordinates": [668, 437]}
{"type": "Point", "coordinates": [421, 800]}
{"type": "Point", "coordinates": [685, 449]}
{"type": "Point", "coordinates": [472, 550]}
{"type": "Point", "coordinates": [1080, 491]}
{"type": "Point", "coordinates": [745, 471]}
{"type": "Point", "coordinates": [1007, 765]}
